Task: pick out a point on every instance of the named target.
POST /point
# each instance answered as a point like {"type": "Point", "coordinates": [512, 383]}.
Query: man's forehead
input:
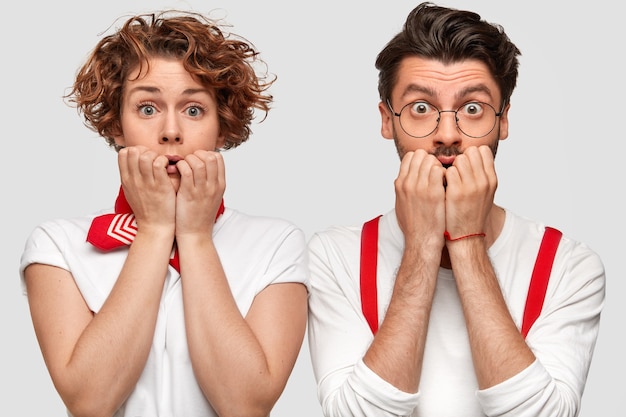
{"type": "Point", "coordinates": [417, 75]}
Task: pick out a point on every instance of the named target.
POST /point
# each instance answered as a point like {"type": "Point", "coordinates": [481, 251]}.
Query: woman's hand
{"type": "Point", "coordinates": [200, 193]}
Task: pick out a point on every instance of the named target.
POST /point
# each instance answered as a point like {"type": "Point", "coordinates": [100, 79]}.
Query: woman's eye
{"type": "Point", "coordinates": [194, 111]}
{"type": "Point", "coordinates": [147, 110]}
{"type": "Point", "coordinates": [421, 107]}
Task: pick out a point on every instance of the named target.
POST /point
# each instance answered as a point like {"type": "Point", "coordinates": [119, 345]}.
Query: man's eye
{"type": "Point", "coordinates": [472, 109]}
{"type": "Point", "coordinates": [421, 107]}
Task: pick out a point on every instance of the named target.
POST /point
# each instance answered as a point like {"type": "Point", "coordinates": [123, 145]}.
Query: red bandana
{"type": "Point", "coordinates": [111, 231]}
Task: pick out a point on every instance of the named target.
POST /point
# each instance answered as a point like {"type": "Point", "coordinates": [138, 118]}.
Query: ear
{"type": "Point", "coordinates": [504, 123]}
{"type": "Point", "coordinates": [386, 121]}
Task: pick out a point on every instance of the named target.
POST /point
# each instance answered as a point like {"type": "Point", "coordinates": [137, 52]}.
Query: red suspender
{"type": "Point", "coordinates": [536, 290]}
{"type": "Point", "coordinates": [540, 277]}
{"type": "Point", "coordinates": [369, 261]}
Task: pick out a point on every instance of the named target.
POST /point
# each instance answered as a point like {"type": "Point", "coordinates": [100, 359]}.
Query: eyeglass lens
{"type": "Point", "coordinates": [474, 119]}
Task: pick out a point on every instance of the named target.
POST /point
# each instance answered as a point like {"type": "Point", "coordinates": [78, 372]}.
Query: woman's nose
{"type": "Point", "coordinates": [171, 130]}
{"type": "Point", "coordinates": [170, 138]}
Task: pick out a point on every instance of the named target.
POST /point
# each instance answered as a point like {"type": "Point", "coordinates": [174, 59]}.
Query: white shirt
{"type": "Point", "coordinates": [563, 337]}
{"type": "Point", "coordinates": [254, 251]}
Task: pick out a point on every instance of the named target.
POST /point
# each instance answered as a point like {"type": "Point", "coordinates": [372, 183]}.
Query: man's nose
{"type": "Point", "coordinates": [447, 132]}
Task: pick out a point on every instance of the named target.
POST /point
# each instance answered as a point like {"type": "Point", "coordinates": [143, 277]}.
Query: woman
{"type": "Point", "coordinates": [170, 304]}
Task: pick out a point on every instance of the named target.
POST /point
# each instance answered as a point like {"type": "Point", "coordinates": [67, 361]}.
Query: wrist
{"type": "Point", "coordinates": [450, 238]}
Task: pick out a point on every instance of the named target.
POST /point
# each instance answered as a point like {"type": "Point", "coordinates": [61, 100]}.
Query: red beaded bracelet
{"type": "Point", "coordinates": [446, 234]}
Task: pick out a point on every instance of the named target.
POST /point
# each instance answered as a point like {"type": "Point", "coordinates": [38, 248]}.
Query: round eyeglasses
{"type": "Point", "coordinates": [420, 118]}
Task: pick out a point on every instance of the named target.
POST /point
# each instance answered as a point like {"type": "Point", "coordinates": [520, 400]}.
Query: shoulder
{"type": "Point", "coordinates": [524, 230]}
{"type": "Point", "coordinates": [337, 237]}
{"type": "Point", "coordinates": [574, 259]}
{"type": "Point", "coordinates": [69, 229]}
{"type": "Point", "coordinates": [348, 237]}
{"type": "Point", "coordinates": [55, 241]}
{"type": "Point", "coordinates": [233, 218]}
{"type": "Point", "coordinates": [255, 229]}
{"type": "Point", "coordinates": [342, 243]}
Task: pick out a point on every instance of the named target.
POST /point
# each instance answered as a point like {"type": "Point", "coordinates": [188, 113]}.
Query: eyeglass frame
{"type": "Point", "coordinates": [456, 119]}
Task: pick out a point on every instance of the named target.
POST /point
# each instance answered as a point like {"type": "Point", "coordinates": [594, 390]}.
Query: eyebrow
{"type": "Point", "coordinates": [415, 88]}
{"type": "Point", "coordinates": [148, 89]}
{"type": "Point", "coordinates": [479, 88]}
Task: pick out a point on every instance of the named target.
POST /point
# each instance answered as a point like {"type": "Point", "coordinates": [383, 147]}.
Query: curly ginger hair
{"type": "Point", "coordinates": [221, 61]}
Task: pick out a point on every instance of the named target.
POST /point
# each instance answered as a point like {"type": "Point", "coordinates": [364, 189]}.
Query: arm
{"type": "Point", "coordinates": [562, 341]}
{"type": "Point", "coordinates": [543, 375]}
{"type": "Point", "coordinates": [384, 380]}
{"type": "Point", "coordinates": [96, 359]}
{"type": "Point", "coordinates": [397, 351]}
{"type": "Point", "coordinates": [99, 358]}
{"type": "Point", "coordinates": [498, 349]}
{"type": "Point", "coordinates": [241, 363]}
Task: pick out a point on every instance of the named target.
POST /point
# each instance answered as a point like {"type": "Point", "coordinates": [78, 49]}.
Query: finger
{"type": "Point", "coordinates": [452, 178]}
{"type": "Point", "coordinates": [463, 165]}
{"type": "Point", "coordinates": [213, 165]}
{"type": "Point", "coordinates": [431, 171]}
{"type": "Point", "coordinates": [405, 164]}
{"type": "Point", "coordinates": [128, 161]}
{"type": "Point", "coordinates": [215, 170]}
{"type": "Point", "coordinates": [488, 158]}
{"type": "Point", "coordinates": [479, 162]}
{"type": "Point", "coordinates": [186, 173]}
{"type": "Point", "coordinates": [159, 168]}
{"type": "Point", "coordinates": [468, 168]}
{"type": "Point", "coordinates": [220, 169]}
{"type": "Point", "coordinates": [198, 167]}
{"type": "Point", "coordinates": [122, 163]}
{"type": "Point", "coordinates": [146, 164]}
{"type": "Point", "coordinates": [411, 167]}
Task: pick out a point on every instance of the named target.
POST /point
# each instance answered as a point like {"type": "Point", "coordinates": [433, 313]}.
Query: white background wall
{"type": "Point", "coordinates": [319, 158]}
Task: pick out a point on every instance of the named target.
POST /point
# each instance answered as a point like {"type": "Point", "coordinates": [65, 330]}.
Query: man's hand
{"type": "Point", "coordinates": [471, 186]}
{"type": "Point", "coordinates": [420, 199]}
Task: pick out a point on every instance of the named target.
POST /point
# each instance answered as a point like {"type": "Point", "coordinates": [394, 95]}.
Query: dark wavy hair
{"type": "Point", "coordinates": [223, 62]}
{"type": "Point", "coordinates": [449, 35]}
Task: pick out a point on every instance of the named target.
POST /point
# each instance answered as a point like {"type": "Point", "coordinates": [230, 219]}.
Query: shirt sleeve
{"type": "Point", "coordinates": [563, 340]}
{"type": "Point", "coordinates": [338, 338]}
{"type": "Point", "coordinates": [41, 248]}
{"type": "Point", "coordinates": [288, 262]}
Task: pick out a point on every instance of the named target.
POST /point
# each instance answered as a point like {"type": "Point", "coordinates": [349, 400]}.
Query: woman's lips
{"type": "Point", "coordinates": [171, 166]}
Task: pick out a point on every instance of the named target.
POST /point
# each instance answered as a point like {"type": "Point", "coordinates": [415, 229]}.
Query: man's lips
{"type": "Point", "coordinates": [446, 161]}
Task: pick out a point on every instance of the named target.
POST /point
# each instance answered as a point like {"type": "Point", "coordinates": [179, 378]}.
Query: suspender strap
{"type": "Point", "coordinates": [369, 262]}
{"type": "Point", "coordinates": [540, 277]}
{"type": "Point", "coordinates": [536, 290]}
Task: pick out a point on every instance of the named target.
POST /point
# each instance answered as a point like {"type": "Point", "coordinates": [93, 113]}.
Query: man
{"type": "Point", "coordinates": [429, 310]}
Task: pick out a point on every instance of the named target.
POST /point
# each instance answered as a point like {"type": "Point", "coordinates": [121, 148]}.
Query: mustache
{"type": "Point", "coordinates": [442, 150]}
{"type": "Point", "coordinates": [446, 151]}
{"type": "Point", "coordinates": [456, 151]}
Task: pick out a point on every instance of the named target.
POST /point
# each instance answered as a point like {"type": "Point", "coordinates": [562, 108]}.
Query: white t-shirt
{"type": "Point", "coordinates": [254, 251]}
{"type": "Point", "coordinates": [562, 338]}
